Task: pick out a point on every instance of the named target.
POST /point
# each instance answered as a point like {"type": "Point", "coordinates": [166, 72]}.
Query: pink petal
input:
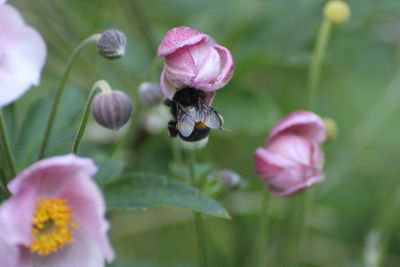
{"type": "Point", "coordinates": [269, 165]}
{"type": "Point", "coordinates": [294, 181]}
{"type": "Point", "coordinates": [227, 66]}
{"type": "Point", "coordinates": [86, 200]}
{"type": "Point", "coordinates": [49, 176]}
{"type": "Point", "coordinates": [22, 55]}
{"type": "Point", "coordinates": [180, 68]}
{"type": "Point", "coordinates": [210, 98]}
{"type": "Point", "coordinates": [207, 62]}
{"type": "Point", "coordinates": [16, 216]}
{"type": "Point", "coordinates": [303, 123]}
{"type": "Point", "coordinates": [166, 90]}
{"type": "Point", "coordinates": [180, 37]}
{"type": "Point", "coordinates": [293, 147]}
{"type": "Point", "coordinates": [82, 252]}
{"type": "Point", "coordinates": [9, 253]}
{"type": "Point", "coordinates": [15, 228]}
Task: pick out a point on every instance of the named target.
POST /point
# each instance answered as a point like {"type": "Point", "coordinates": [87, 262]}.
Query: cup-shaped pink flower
{"type": "Point", "coordinates": [192, 59]}
{"type": "Point", "coordinates": [22, 55]}
{"type": "Point", "coordinates": [292, 160]}
{"type": "Point", "coordinates": [55, 216]}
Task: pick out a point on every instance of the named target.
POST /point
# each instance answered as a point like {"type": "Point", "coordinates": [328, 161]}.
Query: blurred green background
{"type": "Point", "coordinates": [272, 43]}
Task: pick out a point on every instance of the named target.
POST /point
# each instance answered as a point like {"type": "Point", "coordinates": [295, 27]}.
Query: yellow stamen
{"type": "Point", "coordinates": [52, 226]}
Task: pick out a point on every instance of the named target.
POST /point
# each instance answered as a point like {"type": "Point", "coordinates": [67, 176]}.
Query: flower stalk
{"type": "Point", "coordinates": [85, 117]}
{"type": "Point", "coordinates": [53, 113]}
{"type": "Point", "coordinates": [198, 220]}
{"type": "Point", "coordinates": [316, 63]}
{"type": "Point", "coordinates": [262, 231]}
{"type": "Point", "coordinates": [6, 147]}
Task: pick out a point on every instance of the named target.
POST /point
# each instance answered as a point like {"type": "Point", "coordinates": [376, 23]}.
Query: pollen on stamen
{"type": "Point", "coordinates": [53, 226]}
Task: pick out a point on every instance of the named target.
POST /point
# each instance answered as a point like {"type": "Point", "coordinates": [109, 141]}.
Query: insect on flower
{"type": "Point", "coordinates": [193, 117]}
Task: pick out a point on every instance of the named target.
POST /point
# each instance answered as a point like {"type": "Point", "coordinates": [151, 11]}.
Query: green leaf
{"type": "Point", "coordinates": [108, 169]}
{"type": "Point", "coordinates": [138, 191]}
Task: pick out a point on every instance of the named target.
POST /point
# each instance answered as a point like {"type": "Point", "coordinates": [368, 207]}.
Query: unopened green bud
{"type": "Point", "coordinates": [337, 11]}
{"type": "Point", "coordinates": [331, 128]}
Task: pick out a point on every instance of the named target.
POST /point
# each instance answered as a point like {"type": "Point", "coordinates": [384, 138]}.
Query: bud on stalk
{"type": "Point", "coordinates": [112, 44]}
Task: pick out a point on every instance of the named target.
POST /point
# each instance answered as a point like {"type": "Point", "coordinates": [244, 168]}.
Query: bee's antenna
{"type": "Point", "coordinates": [226, 130]}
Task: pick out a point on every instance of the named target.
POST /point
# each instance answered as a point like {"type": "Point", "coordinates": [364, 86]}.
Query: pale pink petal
{"type": "Point", "coordinates": [9, 253]}
{"type": "Point", "coordinates": [295, 180]}
{"type": "Point", "coordinates": [180, 69]}
{"type": "Point", "coordinates": [207, 62]}
{"type": "Point", "coordinates": [3, 1]}
{"type": "Point", "coordinates": [293, 147]}
{"type": "Point", "coordinates": [166, 90]}
{"type": "Point", "coordinates": [16, 216]}
{"type": "Point", "coordinates": [15, 229]}
{"type": "Point", "coordinates": [180, 37]}
{"type": "Point", "coordinates": [210, 98]}
{"type": "Point", "coordinates": [22, 55]}
{"type": "Point", "coordinates": [83, 252]}
{"type": "Point", "coordinates": [48, 177]}
{"type": "Point", "coordinates": [303, 123]}
{"type": "Point", "coordinates": [87, 203]}
{"type": "Point", "coordinates": [269, 165]}
{"type": "Point", "coordinates": [227, 66]}
{"type": "Point", "coordinates": [318, 157]}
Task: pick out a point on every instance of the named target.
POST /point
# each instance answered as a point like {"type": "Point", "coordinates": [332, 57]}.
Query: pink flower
{"type": "Point", "coordinates": [22, 55]}
{"type": "Point", "coordinates": [55, 216]}
{"type": "Point", "coordinates": [292, 160]}
{"type": "Point", "coordinates": [192, 59]}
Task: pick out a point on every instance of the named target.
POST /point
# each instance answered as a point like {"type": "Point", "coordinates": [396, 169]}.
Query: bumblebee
{"type": "Point", "coordinates": [193, 118]}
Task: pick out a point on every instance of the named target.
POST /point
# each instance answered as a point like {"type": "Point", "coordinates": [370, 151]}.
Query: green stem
{"type": "Point", "coordinates": [262, 231]}
{"type": "Point", "coordinates": [91, 39]}
{"type": "Point", "coordinates": [316, 63]}
{"type": "Point", "coordinates": [97, 87]}
{"type": "Point", "coordinates": [6, 147]}
{"type": "Point", "coordinates": [385, 224]}
{"type": "Point", "coordinates": [198, 220]}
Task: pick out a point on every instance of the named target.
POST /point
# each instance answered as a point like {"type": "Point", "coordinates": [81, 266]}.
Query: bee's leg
{"type": "Point", "coordinates": [169, 102]}
{"type": "Point", "coordinates": [173, 132]}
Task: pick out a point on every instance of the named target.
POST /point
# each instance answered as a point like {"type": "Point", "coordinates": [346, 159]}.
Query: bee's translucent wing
{"type": "Point", "coordinates": [209, 116]}
{"type": "Point", "coordinates": [185, 123]}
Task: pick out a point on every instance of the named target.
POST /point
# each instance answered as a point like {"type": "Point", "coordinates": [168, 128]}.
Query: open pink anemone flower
{"type": "Point", "coordinates": [55, 216]}
{"type": "Point", "coordinates": [22, 55]}
{"type": "Point", "coordinates": [192, 59]}
{"type": "Point", "coordinates": [292, 159]}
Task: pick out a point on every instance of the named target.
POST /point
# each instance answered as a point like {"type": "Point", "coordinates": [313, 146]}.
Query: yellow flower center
{"type": "Point", "coordinates": [52, 226]}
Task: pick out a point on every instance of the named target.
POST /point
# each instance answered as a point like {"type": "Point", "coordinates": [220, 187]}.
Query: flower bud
{"type": "Point", "coordinates": [337, 11]}
{"type": "Point", "coordinates": [112, 109]}
{"type": "Point", "coordinates": [150, 93]}
{"type": "Point", "coordinates": [155, 119]}
{"type": "Point", "coordinates": [230, 179]}
{"type": "Point", "coordinates": [112, 44]}
{"type": "Point", "coordinates": [331, 128]}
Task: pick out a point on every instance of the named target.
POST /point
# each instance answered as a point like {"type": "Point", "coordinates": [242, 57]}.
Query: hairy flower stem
{"type": "Point", "coordinates": [91, 39]}
{"type": "Point", "coordinates": [97, 87]}
{"type": "Point", "coordinates": [6, 147]}
{"type": "Point", "coordinates": [262, 231]}
{"type": "Point", "coordinates": [198, 219]}
{"type": "Point", "coordinates": [316, 63]}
